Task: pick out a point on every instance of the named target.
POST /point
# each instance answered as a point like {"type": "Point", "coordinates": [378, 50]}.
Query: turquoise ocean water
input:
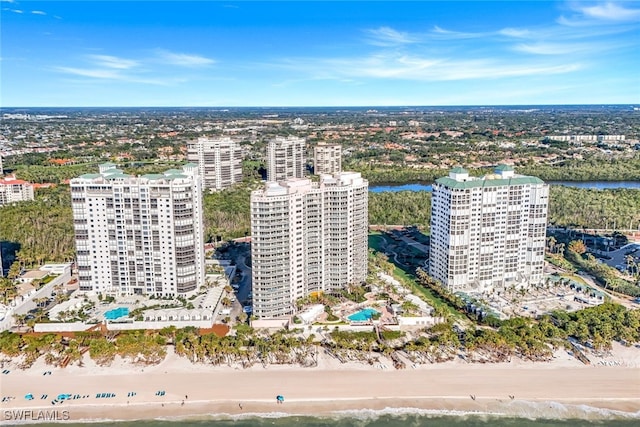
{"type": "Point", "coordinates": [406, 420]}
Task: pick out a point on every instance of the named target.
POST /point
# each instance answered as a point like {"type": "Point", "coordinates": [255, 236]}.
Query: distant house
{"type": "Point", "coordinates": [62, 162]}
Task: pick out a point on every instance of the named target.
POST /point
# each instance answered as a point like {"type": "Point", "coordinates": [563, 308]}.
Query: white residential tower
{"type": "Point", "coordinates": [327, 158]}
{"type": "Point", "coordinates": [307, 237]}
{"type": "Point", "coordinates": [488, 232]}
{"type": "Point", "coordinates": [139, 235]}
{"type": "Point", "coordinates": [219, 161]}
{"type": "Point", "coordinates": [285, 158]}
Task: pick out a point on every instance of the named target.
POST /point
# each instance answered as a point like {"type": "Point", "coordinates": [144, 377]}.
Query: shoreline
{"type": "Point", "coordinates": [562, 388]}
{"type": "Point", "coordinates": [538, 391]}
{"type": "Point", "coordinates": [364, 408]}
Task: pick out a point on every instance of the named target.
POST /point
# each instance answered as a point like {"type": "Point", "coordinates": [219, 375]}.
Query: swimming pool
{"type": "Point", "coordinates": [116, 313]}
{"type": "Point", "coordinates": [362, 315]}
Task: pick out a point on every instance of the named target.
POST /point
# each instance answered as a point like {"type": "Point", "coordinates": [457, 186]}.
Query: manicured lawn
{"type": "Point", "coordinates": [575, 278]}
{"type": "Point", "coordinates": [432, 299]}
{"type": "Point", "coordinates": [376, 240]}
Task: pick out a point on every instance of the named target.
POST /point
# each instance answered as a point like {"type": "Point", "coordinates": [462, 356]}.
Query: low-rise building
{"type": "Point", "coordinates": [14, 190]}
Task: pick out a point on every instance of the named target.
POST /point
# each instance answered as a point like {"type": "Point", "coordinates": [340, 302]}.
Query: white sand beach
{"type": "Point", "coordinates": [563, 388]}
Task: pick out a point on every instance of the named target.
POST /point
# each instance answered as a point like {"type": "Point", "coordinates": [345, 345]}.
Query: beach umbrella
{"type": "Point", "coordinates": [280, 398]}
{"type": "Point", "coordinates": [28, 396]}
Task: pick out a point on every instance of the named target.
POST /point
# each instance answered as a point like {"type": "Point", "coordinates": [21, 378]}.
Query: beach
{"type": "Point", "coordinates": [562, 388]}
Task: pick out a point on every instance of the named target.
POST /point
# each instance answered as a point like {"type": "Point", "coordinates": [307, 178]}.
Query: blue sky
{"type": "Point", "coordinates": [226, 53]}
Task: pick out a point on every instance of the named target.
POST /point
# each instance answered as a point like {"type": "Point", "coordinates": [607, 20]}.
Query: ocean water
{"type": "Point", "coordinates": [369, 420]}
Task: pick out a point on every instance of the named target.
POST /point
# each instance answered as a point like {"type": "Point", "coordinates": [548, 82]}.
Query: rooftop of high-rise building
{"type": "Point", "coordinates": [459, 178]}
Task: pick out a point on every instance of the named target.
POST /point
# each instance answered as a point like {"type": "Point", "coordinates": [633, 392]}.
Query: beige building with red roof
{"type": "Point", "coordinates": [14, 190]}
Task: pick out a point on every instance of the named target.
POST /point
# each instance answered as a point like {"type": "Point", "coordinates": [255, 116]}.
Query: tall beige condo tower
{"type": "Point", "coordinates": [139, 235]}
{"type": "Point", "coordinates": [285, 158]}
{"type": "Point", "coordinates": [327, 158]}
{"type": "Point", "coordinates": [307, 237]}
{"type": "Point", "coordinates": [219, 161]}
{"type": "Point", "coordinates": [488, 232]}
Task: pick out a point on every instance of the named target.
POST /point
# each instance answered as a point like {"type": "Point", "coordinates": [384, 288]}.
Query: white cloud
{"type": "Point", "coordinates": [109, 61]}
{"type": "Point", "coordinates": [94, 73]}
{"type": "Point", "coordinates": [183, 59]}
{"type": "Point", "coordinates": [552, 48]}
{"type": "Point", "coordinates": [114, 68]}
{"type": "Point", "coordinates": [599, 14]}
{"type": "Point", "coordinates": [611, 11]}
{"type": "Point", "coordinates": [416, 68]}
{"type": "Point", "coordinates": [118, 75]}
{"type": "Point", "coordinates": [16, 10]}
{"type": "Point", "coordinates": [38, 12]}
{"type": "Point", "coordinates": [387, 36]}
{"type": "Point", "coordinates": [440, 32]}
{"type": "Point", "coordinates": [515, 32]}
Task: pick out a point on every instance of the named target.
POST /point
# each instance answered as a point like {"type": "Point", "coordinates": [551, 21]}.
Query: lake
{"type": "Point", "coordinates": [599, 185]}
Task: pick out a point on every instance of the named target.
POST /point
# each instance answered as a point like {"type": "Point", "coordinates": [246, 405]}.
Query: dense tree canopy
{"type": "Point", "coordinates": [402, 208]}
{"type": "Point", "coordinates": [590, 208]}
{"type": "Point", "coordinates": [43, 228]}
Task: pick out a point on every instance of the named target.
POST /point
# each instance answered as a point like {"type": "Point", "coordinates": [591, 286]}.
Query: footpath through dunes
{"type": "Point", "coordinates": [509, 388]}
{"type": "Point", "coordinates": [218, 329]}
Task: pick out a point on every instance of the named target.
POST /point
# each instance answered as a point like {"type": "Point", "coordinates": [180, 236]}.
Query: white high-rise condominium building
{"type": "Point", "coordinates": [285, 158]}
{"type": "Point", "coordinates": [488, 232]}
{"type": "Point", "coordinates": [139, 235]}
{"type": "Point", "coordinates": [14, 190]}
{"type": "Point", "coordinates": [327, 158]}
{"type": "Point", "coordinates": [219, 161]}
{"type": "Point", "coordinates": [307, 237]}
{"type": "Point", "coordinates": [1, 168]}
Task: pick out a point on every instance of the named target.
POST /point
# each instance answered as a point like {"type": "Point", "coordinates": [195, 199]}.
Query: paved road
{"type": "Point", "coordinates": [245, 282]}
{"type": "Point", "coordinates": [619, 257]}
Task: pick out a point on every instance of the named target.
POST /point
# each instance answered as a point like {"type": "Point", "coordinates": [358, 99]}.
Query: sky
{"type": "Point", "coordinates": [303, 53]}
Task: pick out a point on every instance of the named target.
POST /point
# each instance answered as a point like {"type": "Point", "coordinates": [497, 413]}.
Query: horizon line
{"type": "Point", "coordinates": [322, 106]}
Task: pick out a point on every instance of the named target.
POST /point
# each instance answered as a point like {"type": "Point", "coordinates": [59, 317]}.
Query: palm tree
{"type": "Point", "coordinates": [8, 289]}
{"type": "Point", "coordinates": [551, 243]}
{"type": "Point", "coordinates": [40, 302]}
{"type": "Point", "coordinates": [632, 266]}
{"type": "Point", "coordinates": [20, 319]}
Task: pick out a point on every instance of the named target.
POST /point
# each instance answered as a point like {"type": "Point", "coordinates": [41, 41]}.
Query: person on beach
{"type": "Point", "coordinates": [240, 406]}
